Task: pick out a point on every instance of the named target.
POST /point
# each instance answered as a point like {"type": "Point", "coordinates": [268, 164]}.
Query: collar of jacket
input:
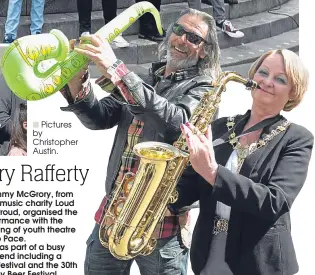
{"type": "Point", "coordinates": [240, 122]}
{"type": "Point", "coordinates": [158, 70]}
{"type": "Point", "coordinates": [224, 150]}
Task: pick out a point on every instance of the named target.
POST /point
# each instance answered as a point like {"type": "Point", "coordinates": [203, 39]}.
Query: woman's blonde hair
{"type": "Point", "coordinates": [297, 74]}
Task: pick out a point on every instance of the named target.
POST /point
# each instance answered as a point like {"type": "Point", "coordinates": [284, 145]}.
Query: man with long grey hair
{"type": "Point", "coordinates": [147, 108]}
{"type": "Point", "coordinates": [208, 65]}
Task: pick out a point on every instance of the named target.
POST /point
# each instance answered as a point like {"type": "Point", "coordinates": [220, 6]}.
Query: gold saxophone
{"type": "Point", "coordinates": [138, 203]}
{"type": "Point", "coordinates": [21, 61]}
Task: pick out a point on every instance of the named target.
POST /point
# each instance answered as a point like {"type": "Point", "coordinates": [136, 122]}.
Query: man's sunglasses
{"type": "Point", "coordinates": [193, 38]}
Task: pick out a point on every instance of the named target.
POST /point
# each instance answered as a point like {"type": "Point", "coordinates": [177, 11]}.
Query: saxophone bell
{"type": "Point", "coordinates": [128, 232]}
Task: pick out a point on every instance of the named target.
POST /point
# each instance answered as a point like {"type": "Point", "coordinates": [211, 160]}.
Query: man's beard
{"type": "Point", "coordinates": [177, 63]}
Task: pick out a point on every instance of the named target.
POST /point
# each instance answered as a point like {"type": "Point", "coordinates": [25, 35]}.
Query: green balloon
{"type": "Point", "coordinates": [22, 61]}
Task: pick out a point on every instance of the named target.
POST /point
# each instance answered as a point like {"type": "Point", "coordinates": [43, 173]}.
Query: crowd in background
{"type": "Point", "coordinates": [147, 29]}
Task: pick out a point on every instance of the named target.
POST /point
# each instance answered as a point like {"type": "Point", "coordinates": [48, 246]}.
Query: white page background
{"type": "Point", "coordinates": [94, 149]}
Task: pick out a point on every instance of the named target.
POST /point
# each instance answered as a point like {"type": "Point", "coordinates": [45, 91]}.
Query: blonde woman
{"type": "Point", "coordinates": [248, 183]}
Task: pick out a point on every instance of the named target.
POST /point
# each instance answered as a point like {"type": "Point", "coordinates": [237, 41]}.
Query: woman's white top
{"type": "Point", "coordinates": [223, 210]}
{"type": "Point", "coordinates": [219, 241]}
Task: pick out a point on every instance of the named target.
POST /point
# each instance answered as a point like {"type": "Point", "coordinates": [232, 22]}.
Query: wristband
{"type": "Point", "coordinates": [117, 70]}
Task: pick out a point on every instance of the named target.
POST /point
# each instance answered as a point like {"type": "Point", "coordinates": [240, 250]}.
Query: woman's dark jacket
{"type": "Point", "coordinates": [259, 232]}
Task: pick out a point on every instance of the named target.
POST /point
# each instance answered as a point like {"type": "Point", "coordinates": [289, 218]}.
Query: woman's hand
{"type": "Point", "coordinates": [98, 50]}
{"type": "Point", "coordinates": [201, 152]}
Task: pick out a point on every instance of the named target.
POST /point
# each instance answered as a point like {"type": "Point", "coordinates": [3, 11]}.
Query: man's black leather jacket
{"type": "Point", "coordinates": [164, 104]}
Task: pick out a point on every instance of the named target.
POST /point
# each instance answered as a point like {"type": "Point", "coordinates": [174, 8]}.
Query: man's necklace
{"type": "Point", "coordinates": [244, 150]}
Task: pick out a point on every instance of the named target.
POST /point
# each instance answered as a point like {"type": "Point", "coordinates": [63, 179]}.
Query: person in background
{"type": "Point", "coordinates": [220, 17]}
{"type": "Point", "coordinates": [9, 102]}
{"type": "Point", "coordinates": [231, 2]}
{"type": "Point", "coordinates": [109, 13]}
{"type": "Point", "coordinates": [147, 108]}
{"type": "Point", "coordinates": [13, 19]}
{"type": "Point", "coordinates": [247, 184]}
{"type": "Point", "coordinates": [18, 142]}
{"type": "Point", "coordinates": [148, 29]}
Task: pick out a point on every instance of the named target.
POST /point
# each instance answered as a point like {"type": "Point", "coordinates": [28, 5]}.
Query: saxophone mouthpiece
{"type": "Point", "coordinates": [251, 84]}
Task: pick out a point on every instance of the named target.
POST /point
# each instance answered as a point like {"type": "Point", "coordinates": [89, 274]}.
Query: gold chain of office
{"type": "Point", "coordinates": [244, 150]}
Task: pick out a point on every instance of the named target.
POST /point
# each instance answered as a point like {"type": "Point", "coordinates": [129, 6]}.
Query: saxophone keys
{"type": "Point", "coordinates": [119, 205]}
{"type": "Point", "coordinates": [173, 197]}
{"type": "Point", "coordinates": [213, 98]}
{"type": "Point", "coordinates": [172, 165]}
{"type": "Point", "coordinates": [105, 231]}
{"type": "Point", "coordinates": [128, 181]}
{"type": "Point", "coordinates": [149, 247]}
{"type": "Point", "coordinates": [136, 243]}
{"type": "Point", "coordinates": [108, 232]}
